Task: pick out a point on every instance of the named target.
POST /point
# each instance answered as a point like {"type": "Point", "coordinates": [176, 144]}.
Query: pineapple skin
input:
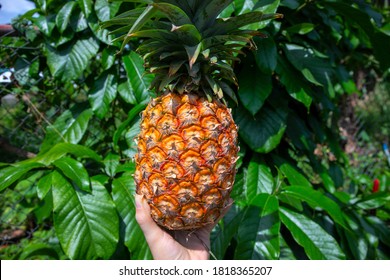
{"type": "Point", "coordinates": [186, 160]}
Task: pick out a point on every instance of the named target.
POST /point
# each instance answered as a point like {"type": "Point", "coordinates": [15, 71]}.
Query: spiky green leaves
{"type": "Point", "coordinates": [187, 46]}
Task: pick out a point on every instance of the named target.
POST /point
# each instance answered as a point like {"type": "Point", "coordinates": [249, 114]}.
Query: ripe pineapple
{"type": "Point", "coordinates": [187, 147]}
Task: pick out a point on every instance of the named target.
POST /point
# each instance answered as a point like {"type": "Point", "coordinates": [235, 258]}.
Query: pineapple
{"type": "Point", "coordinates": [187, 147]}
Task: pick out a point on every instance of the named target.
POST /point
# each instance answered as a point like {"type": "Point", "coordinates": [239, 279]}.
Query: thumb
{"type": "Point", "coordinates": [149, 227]}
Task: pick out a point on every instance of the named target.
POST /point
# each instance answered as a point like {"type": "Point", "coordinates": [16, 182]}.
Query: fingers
{"type": "Point", "coordinates": [149, 227]}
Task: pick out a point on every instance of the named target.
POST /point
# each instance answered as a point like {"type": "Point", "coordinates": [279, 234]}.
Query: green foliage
{"type": "Point", "coordinates": [289, 201]}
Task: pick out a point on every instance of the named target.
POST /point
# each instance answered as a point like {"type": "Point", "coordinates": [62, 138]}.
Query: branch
{"type": "Point", "coordinates": [6, 146]}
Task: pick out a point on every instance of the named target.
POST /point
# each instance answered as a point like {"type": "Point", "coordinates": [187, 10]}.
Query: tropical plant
{"type": "Point", "coordinates": [292, 200]}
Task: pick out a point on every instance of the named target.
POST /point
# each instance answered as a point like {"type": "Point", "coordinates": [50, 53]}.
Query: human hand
{"type": "Point", "coordinates": [174, 245]}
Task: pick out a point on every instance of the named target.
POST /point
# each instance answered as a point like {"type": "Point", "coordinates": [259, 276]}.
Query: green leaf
{"type": "Point", "coordinates": [254, 89]}
{"type": "Point", "coordinates": [132, 114]}
{"type": "Point", "coordinates": [61, 149]}
{"type": "Point", "coordinates": [317, 243]}
{"type": "Point", "coordinates": [266, 7]}
{"type": "Point", "coordinates": [176, 15]}
{"type": "Point", "coordinates": [69, 62]}
{"type": "Point", "coordinates": [108, 58]}
{"type": "Point", "coordinates": [373, 201]}
{"type": "Point", "coordinates": [39, 249]}
{"type": "Point", "coordinates": [223, 233]}
{"type": "Point", "coordinates": [187, 34]}
{"type": "Point", "coordinates": [146, 15]}
{"type": "Point", "coordinates": [301, 28]}
{"type": "Point", "coordinates": [207, 13]}
{"type": "Point", "coordinates": [266, 54]}
{"type": "Point", "coordinates": [264, 131]}
{"type": "Point", "coordinates": [258, 234]}
{"type": "Point", "coordinates": [70, 127]}
{"type": "Point", "coordinates": [63, 16]}
{"type": "Point", "coordinates": [44, 186]}
{"type": "Point", "coordinates": [111, 162]}
{"type": "Point", "coordinates": [45, 24]}
{"type": "Point", "coordinates": [102, 93]}
{"type": "Point", "coordinates": [292, 174]}
{"type": "Point", "coordinates": [294, 83]}
{"type": "Point", "coordinates": [363, 20]}
{"type": "Point", "coordinates": [138, 82]}
{"type": "Point", "coordinates": [382, 230]}
{"type": "Point", "coordinates": [123, 190]}
{"type": "Point", "coordinates": [233, 24]}
{"type": "Point", "coordinates": [355, 238]}
{"type": "Point", "coordinates": [75, 171]}
{"type": "Point", "coordinates": [11, 174]}
{"type": "Point", "coordinates": [86, 7]}
{"type": "Point", "coordinates": [102, 34]}
{"type": "Point", "coordinates": [102, 9]}
{"type": "Point", "coordinates": [317, 199]}
{"type": "Point", "coordinates": [259, 178]}
{"type": "Point", "coordinates": [86, 224]}
{"type": "Point", "coordinates": [314, 69]}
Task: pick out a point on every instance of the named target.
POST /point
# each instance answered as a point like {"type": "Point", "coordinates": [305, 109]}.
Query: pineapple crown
{"type": "Point", "coordinates": [185, 43]}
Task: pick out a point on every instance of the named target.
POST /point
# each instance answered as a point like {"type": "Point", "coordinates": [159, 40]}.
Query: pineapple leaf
{"type": "Point", "coordinates": [159, 34]}
{"type": "Point", "coordinates": [193, 53]}
{"type": "Point", "coordinates": [228, 91]}
{"type": "Point", "coordinates": [214, 86]}
{"type": "Point", "coordinates": [221, 40]}
{"type": "Point", "coordinates": [176, 15]}
{"type": "Point", "coordinates": [147, 14]}
{"type": "Point", "coordinates": [207, 12]}
{"type": "Point", "coordinates": [187, 34]}
{"type": "Point", "coordinates": [174, 67]}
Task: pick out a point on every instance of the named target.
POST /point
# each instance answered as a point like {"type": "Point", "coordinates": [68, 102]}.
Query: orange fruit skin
{"type": "Point", "coordinates": [186, 160]}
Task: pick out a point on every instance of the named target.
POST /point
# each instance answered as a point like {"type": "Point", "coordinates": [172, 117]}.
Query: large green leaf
{"type": "Point", "coordinates": [63, 16]}
{"type": "Point", "coordinates": [69, 62]}
{"type": "Point", "coordinates": [45, 24]}
{"type": "Point", "coordinates": [44, 186]}
{"type": "Point", "coordinates": [316, 199]}
{"type": "Point", "coordinates": [111, 163]}
{"type": "Point", "coordinates": [293, 175]}
{"type": "Point", "coordinates": [355, 238]}
{"type": "Point", "coordinates": [223, 233]}
{"type": "Point", "coordinates": [259, 179]}
{"type": "Point", "coordinates": [61, 149]}
{"type": "Point", "coordinates": [264, 131]}
{"type": "Point", "coordinates": [102, 9]}
{"type": "Point", "coordinates": [86, 7]}
{"type": "Point", "coordinates": [314, 69]}
{"type": "Point", "coordinates": [70, 127]}
{"type": "Point", "coordinates": [86, 224]}
{"type": "Point", "coordinates": [317, 243]}
{"type": "Point", "coordinates": [11, 174]}
{"type": "Point", "coordinates": [138, 83]}
{"type": "Point", "coordinates": [75, 171]}
{"type": "Point", "coordinates": [294, 82]}
{"type": "Point", "coordinates": [254, 88]}
{"type": "Point", "coordinates": [258, 234]}
{"type": "Point", "coordinates": [123, 190]}
{"type": "Point", "coordinates": [102, 93]}
{"type": "Point", "coordinates": [266, 54]}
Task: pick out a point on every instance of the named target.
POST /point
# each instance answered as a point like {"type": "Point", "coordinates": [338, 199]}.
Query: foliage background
{"type": "Point", "coordinates": [313, 103]}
